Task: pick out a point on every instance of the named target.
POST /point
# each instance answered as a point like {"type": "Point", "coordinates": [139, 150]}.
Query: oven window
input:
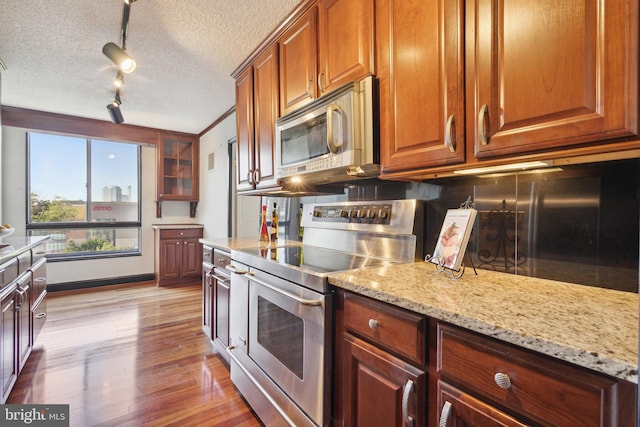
{"type": "Point", "coordinates": [281, 334]}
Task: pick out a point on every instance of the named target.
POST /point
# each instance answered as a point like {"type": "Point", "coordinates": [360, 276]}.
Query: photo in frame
{"type": "Point", "coordinates": [453, 238]}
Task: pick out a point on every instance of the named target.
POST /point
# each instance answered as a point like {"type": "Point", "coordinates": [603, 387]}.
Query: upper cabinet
{"type": "Point", "coordinates": [256, 114]}
{"type": "Point", "coordinates": [420, 69]}
{"type": "Point", "coordinates": [534, 77]}
{"type": "Point", "coordinates": [177, 170]}
{"type": "Point", "coordinates": [543, 74]}
{"type": "Point", "coordinates": [330, 45]}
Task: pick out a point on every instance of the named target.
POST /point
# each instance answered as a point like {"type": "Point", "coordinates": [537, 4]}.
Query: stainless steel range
{"type": "Point", "coordinates": [282, 304]}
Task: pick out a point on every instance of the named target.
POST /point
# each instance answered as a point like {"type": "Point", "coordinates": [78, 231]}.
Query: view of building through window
{"type": "Point", "coordinates": [84, 194]}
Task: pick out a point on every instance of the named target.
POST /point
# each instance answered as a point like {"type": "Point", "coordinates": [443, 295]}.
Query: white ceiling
{"type": "Point", "coordinates": [185, 52]}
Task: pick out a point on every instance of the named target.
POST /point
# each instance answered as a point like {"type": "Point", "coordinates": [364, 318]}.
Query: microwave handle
{"type": "Point", "coordinates": [331, 144]}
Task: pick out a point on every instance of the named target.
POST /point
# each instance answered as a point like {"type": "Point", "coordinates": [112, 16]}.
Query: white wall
{"type": "Point", "coordinates": [214, 186]}
{"type": "Point", "coordinates": [14, 203]}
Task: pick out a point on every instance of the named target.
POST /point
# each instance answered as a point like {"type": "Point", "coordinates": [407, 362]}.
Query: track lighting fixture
{"type": "Point", "coordinates": [114, 109]}
{"type": "Point", "coordinates": [119, 57]}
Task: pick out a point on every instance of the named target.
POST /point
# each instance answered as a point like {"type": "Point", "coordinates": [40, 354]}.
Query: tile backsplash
{"type": "Point", "coordinates": [577, 224]}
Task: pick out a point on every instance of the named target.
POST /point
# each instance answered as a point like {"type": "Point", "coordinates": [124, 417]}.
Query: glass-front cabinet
{"type": "Point", "coordinates": [178, 170]}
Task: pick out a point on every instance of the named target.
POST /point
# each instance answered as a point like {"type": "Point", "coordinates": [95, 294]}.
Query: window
{"type": "Point", "coordinates": [84, 194]}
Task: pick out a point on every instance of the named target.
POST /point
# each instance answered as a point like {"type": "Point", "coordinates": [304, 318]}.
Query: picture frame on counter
{"type": "Point", "coordinates": [453, 238]}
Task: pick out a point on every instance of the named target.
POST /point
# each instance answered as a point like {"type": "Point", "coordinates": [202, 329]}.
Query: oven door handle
{"type": "Point", "coordinates": [311, 302]}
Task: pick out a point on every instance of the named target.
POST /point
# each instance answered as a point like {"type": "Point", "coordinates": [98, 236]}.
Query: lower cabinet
{"type": "Point", "coordinates": [216, 292]}
{"type": "Point", "coordinates": [8, 353]}
{"type": "Point", "coordinates": [394, 367]}
{"type": "Point", "coordinates": [23, 318]}
{"type": "Point", "coordinates": [178, 254]}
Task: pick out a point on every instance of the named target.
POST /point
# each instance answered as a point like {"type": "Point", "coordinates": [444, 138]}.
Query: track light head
{"type": "Point", "coordinates": [119, 57]}
{"type": "Point", "coordinates": [115, 113]}
{"type": "Point", "coordinates": [119, 80]}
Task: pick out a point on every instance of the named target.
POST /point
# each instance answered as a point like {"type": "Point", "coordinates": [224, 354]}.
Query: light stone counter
{"type": "Point", "coordinates": [591, 327]}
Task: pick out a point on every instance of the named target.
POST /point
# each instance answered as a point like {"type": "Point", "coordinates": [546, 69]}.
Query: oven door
{"type": "Point", "coordinates": [290, 339]}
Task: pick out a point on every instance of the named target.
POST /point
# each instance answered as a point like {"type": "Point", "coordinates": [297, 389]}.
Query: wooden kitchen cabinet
{"type": "Point", "coordinates": [548, 74]}
{"type": "Point", "coordinates": [483, 379]}
{"type": "Point", "coordinates": [9, 340]}
{"type": "Point", "coordinates": [374, 386]}
{"type": "Point", "coordinates": [257, 109]}
{"type": "Point", "coordinates": [216, 287]}
{"type": "Point", "coordinates": [178, 255]}
{"type": "Point", "coordinates": [207, 290]}
{"type": "Point", "coordinates": [420, 68]}
{"type": "Point", "coordinates": [330, 45]}
{"type": "Point", "coordinates": [177, 170]}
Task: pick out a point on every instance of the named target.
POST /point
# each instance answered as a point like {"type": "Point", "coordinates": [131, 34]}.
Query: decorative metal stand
{"type": "Point", "coordinates": [502, 217]}
{"type": "Point", "coordinates": [440, 268]}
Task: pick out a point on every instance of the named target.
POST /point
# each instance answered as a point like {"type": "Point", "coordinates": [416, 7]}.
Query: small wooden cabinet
{"type": "Point", "coordinates": [178, 254]}
{"type": "Point", "coordinates": [257, 109]}
{"type": "Point", "coordinates": [9, 343]}
{"type": "Point", "coordinates": [216, 293]}
{"type": "Point", "coordinates": [330, 45]}
{"type": "Point", "coordinates": [380, 351]}
{"type": "Point", "coordinates": [177, 170]}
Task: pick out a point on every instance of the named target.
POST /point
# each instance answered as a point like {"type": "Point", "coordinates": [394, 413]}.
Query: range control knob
{"type": "Point", "coordinates": [371, 213]}
{"type": "Point", "coordinates": [344, 213]}
{"type": "Point", "coordinates": [353, 213]}
{"type": "Point", "coordinates": [317, 214]}
{"type": "Point", "coordinates": [383, 214]}
{"type": "Point", "coordinates": [362, 213]}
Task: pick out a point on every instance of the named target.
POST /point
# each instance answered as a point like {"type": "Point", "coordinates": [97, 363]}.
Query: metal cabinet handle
{"type": "Point", "coordinates": [373, 324]}
{"type": "Point", "coordinates": [408, 389]}
{"type": "Point", "coordinates": [236, 270]}
{"type": "Point", "coordinates": [320, 82]}
{"type": "Point", "coordinates": [333, 145]}
{"type": "Point", "coordinates": [450, 134]}
{"type": "Point", "coordinates": [256, 176]}
{"type": "Point", "coordinates": [250, 177]}
{"type": "Point", "coordinates": [41, 315]}
{"type": "Point", "coordinates": [502, 380]}
{"type": "Point", "coordinates": [309, 302]}
{"type": "Point", "coordinates": [445, 414]}
{"type": "Point", "coordinates": [483, 125]}
{"type": "Point", "coordinates": [309, 83]}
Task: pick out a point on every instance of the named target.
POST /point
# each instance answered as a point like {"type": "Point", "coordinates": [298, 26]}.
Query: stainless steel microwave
{"type": "Point", "coordinates": [330, 139]}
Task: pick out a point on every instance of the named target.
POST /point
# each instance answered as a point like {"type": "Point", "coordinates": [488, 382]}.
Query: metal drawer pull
{"type": "Point", "coordinates": [483, 125]}
{"type": "Point", "coordinates": [445, 414]}
{"type": "Point", "coordinates": [408, 389]}
{"type": "Point", "coordinates": [41, 315]}
{"type": "Point", "coordinates": [236, 270]}
{"type": "Point", "coordinates": [373, 324]}
{"type": "Point", "coordinates": [320, 82]}
{"type": "Point", "coordinates": [450, 134]}
{"type": "Point", "coordinates": [502, 380]}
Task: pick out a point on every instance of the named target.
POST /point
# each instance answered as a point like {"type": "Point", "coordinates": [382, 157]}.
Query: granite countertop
{"type": "Point", "coordinates": [15, 245]}
{"type": "Point", "coordinates": [591, 327]}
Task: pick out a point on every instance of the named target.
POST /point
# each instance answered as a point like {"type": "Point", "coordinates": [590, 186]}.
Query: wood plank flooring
{"type": "Point", "coordinates": [131, 356]}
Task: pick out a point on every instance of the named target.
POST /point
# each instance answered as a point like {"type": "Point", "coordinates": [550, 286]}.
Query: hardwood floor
{"type": "Point", "coordinates": [130, 356]}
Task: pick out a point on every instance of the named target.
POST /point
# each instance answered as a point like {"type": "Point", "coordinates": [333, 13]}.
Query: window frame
{"type": "Point", "coordinates": [86, 224]}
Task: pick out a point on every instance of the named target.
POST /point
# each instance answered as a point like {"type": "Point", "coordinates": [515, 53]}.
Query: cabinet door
{"type": "Point", "coordinates": [376, 384]}
{"type": "Point", "coordinates": [460, 409]}
{"type": "Point", "coordinates": [222, 310]}
{"type": "Point", "coordinates": [265, 97]}
{"type": "Point", "coordinates": [244, 124]}
{"type": "Point", "coordinates": [177, 171]}
{"type": "Point", "coordinates": [421, 74]}
{"type": "Point", "coordinates": [298, 47]}
{"type": "Point", "coordinates": [544, 74]}
{"type": "Point", "coordinates": [191, 257]}
{"type": "Point", "coordinates": [8, 364]}
{"type": "Point", "coordinates": [345, 37]}
{"type": "Point", "coordinates": [170, 258]}
{"type": "Point", "coordinates": [23, 317]}
{"type": "Point", "coordinates": [207, 299]}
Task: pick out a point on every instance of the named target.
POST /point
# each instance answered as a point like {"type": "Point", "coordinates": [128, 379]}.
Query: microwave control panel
{"type": "Point", "coordinates": [358, 214]}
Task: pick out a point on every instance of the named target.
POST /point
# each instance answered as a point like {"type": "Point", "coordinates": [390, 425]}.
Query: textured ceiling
{"type": "Point", "coordinates": [185, 52]}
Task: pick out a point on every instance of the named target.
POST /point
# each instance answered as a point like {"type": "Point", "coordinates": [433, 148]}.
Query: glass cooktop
{"type": "Point", "coordinates": [314, 259]}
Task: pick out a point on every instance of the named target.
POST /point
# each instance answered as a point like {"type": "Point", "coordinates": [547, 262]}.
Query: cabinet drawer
{"type": "Point", "coordinates": [393, 328]}
{"type": "Point", "coordinates": [207, 254]}
{"type": "Point", "coordinates": [180, 233]}
{"type": "Point", "coordinates": [24, 261]}
{"type": "Point", "coordinates": [39, 313]}
{"type": "Point", "coordinates": [8, 272]}
{"type": "Point", "coordinates": [546, 391]}
{"type": "Point", "coordinates": [221, 259]}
